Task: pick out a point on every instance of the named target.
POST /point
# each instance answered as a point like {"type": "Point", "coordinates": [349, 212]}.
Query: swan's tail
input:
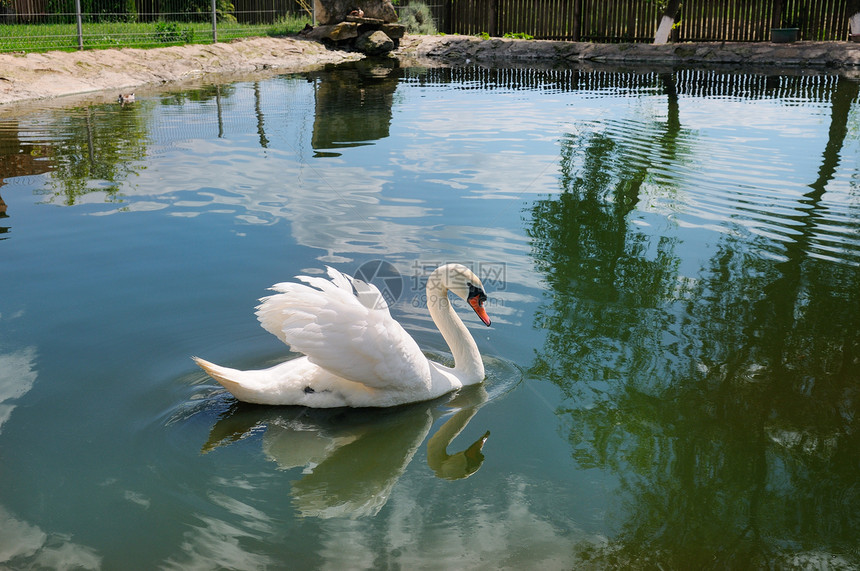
{"type": "Point", "coordinates": [285, 383]}
{"type": "Point", "coordinates": [234, 380]}
{"type": "Point", "coordinates": [293, 382]}
{"type": "Point", "coordinates": [217, 372]}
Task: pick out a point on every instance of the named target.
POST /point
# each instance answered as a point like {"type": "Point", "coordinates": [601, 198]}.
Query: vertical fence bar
{"type": "Point", "coordinates": [80, 26]}
{"type": "Point", "coordinates": [493, 10]}
{"type": "Point", "coordinates": [214, 24]}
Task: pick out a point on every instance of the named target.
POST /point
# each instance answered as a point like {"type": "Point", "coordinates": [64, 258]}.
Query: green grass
{"type": "Point", "coordinates": [44, 37]}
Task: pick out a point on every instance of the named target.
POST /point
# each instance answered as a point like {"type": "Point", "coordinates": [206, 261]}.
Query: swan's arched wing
{"type": "Point", "coordinates": [353, 336]}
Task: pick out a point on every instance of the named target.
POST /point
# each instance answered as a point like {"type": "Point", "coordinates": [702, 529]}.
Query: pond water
{"type": "Point", "coordinates": [673, 265]}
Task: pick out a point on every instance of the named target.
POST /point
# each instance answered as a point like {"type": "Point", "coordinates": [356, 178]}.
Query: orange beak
{"type": "Point", "coordinates": [475, 302]}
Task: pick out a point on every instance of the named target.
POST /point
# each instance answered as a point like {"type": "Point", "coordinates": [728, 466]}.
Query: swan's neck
{"type": "Point", "coordinates": [467, 359]}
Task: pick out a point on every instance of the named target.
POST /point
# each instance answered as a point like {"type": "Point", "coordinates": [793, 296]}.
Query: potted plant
{"type": "Point", "coordinates": [786, 34]}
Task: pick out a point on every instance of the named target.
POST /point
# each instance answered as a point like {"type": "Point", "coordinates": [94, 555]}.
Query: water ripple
{"type": "Point", "coordinates": [740, 185]}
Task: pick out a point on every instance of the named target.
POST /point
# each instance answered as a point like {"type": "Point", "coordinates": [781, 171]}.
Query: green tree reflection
{"type": "Point", "coordinates": [723, 402]}
{"type": "Point", "coordinates": [594, 265]}
{"type": "Point", "coordinates": [97, 149]}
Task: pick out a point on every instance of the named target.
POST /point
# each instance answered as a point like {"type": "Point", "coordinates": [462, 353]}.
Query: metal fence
{"type": "Point", "coordinates": [77, 24]}
{"type": "Point", "coordinates": [55, 11]}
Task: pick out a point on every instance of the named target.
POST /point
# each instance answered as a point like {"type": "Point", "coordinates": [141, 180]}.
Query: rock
{"type": "Point", "coordinates": [334, 32]}
{"type": "Point", "coordinates": [334, 11]}
{"type": "Point", "coordinates": [343, 33]}
{"type": "Point", "coordinates": [374, 43]}
{"type": "Point", "coordinates": [760, 56]}
{"type": "Point", "coordinates": [394, 31]}
{"type": "Point", "coordinates": [362, 20]}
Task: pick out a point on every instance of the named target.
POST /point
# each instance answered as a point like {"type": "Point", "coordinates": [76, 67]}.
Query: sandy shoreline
{"type": "Point", "coordinates": [34, 77]}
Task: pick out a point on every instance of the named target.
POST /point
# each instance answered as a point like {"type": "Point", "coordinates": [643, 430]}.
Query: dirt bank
{"type": "Point", "coordinates": [54, 74]}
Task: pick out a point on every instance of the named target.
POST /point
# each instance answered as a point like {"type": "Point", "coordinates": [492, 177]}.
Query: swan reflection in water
{"type": "Point", "coordinates": [352, 458]}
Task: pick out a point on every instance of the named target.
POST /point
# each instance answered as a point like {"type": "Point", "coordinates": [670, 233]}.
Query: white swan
{"type": "Point", "coordinates": [355, 353]}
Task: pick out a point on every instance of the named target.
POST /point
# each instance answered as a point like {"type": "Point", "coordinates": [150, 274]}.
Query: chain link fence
{"type": "Point", "coordinates": [40, 25]}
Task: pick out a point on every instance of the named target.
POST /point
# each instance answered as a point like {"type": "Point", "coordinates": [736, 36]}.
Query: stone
{"type": "Point", "coordinates": [334, 32]}
{"type": "Point", "coordinates": [334, 11]}
{"type": "Point", "coordinates": [344, 31]}
{"type": "Point", "coordinates": [394, 31]}
{"type": "Point", "coordinates": [362, 20]}
{"type": "Point", "coordinates": [374, 43]}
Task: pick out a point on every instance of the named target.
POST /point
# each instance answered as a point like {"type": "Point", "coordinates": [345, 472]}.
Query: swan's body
{"type": "Point", "coordinates": [355, 353]}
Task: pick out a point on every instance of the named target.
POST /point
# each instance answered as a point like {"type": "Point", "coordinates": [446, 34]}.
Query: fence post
{"type": "Point", "coordinates": [449, 17]}
{"type": "Point", "coordinates": [853, 18]}
{"type": "Point", "coordinates": [80, 26]}
{"type": "Point", "coordinates": [667, 21]}
{"type": "Point", "coordinates": [492, 18]}
{"type": "Point", "coordinates": [776, 17]}
{"type": "Point", "coordinates": [214, 23]}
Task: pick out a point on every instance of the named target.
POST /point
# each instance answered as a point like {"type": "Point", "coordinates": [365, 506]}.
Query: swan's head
{"type": "Point", "coordinates": [463, 283]}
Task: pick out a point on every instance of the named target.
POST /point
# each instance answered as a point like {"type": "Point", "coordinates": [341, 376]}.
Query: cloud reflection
{"type": "Point", "coordinates": [26, 546]}
{"type": "Point", "coordinates": [498, 531]}
{"type": "Point", "coordinates": [17, 375]}
{"type": "Point", "coordinates": [393, 203]}
{"type": "Point", "coordinates": [23, 545]}
{"type": "Point", "coordinates": [216, 544]}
